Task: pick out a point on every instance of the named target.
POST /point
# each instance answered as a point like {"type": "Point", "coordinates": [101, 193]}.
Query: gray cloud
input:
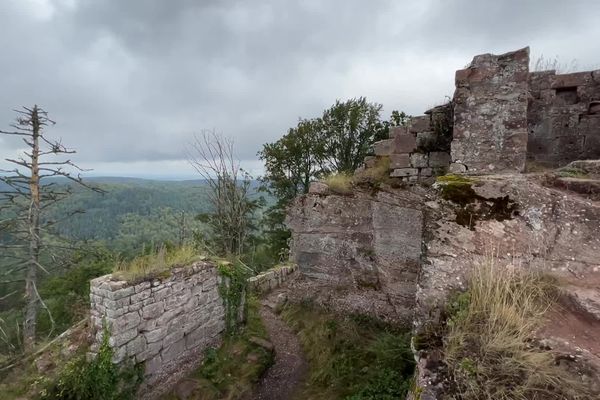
{"type": "Point", "coordinates": [131, 81]}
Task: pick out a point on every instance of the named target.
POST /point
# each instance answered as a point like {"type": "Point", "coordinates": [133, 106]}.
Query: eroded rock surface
{"type": "Point", "coordinates": [362, 251]}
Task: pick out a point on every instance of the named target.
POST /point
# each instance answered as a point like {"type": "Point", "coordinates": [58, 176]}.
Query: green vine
{"type": "Point", "coordinates": [232, 288]}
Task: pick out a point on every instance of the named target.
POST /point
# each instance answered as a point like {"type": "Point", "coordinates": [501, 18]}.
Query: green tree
{"type": "Point", "coordinates": [290, 164]}
{"type": "Point", "coordinates": [338, 141]}
{"type": "Point", "coordinates": [349, 129]}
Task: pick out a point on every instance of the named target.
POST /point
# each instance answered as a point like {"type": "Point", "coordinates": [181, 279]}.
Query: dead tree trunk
{"type": "Point", "coordinates": [31, 297]}
{"type": "Point", "coordinates": [27, 196]}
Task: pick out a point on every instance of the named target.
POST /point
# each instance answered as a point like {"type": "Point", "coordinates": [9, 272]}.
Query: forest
{"type": "Point", "coordinates": [58, 229]}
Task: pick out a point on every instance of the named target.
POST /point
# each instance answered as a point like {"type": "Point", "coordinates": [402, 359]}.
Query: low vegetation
{"type": "Point", "coordinates": [156, 263]}
{"type": "Point", "coordinates": [351, 358]}
{"type": "Point", "coordinates": [339, 183]}
{"type": "Point", "coordinates": [98, 379]}
{"type": "Point", "coordinates": [488, 346]}
{"type": "Point", "coordinates": [229, 373]}
{"type": "Point", "coordinates": [377, 174]}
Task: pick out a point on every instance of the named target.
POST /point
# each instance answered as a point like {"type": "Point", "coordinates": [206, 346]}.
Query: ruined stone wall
{"type": "Point", "coordinates": [490, 114]}
{"type": "Point", "coordinates": [163, 322]}
{"type": "Point", "coordinates": [272, 278]}
{"type": "Point", "coordinates": [420, 150]}
{"type": "Point", "coordinates": [563, 117]}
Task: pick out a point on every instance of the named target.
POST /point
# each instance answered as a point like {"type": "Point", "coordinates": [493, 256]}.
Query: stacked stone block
{"type": "Point", "coordinates": [162, 322]}
{"type": "Point", "coordinates": [415, 151]}
{"type": "Point", "coordinates": [272, 278]}
{"type": "Point", "coordinates": [563, 117]}
{"type": "Point", "coordinates": [490, 114]}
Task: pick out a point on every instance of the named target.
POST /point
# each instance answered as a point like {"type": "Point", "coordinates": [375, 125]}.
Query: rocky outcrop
{"type": "Point", "coordinates": [361, 253]}
{"type": "Point", "coordinates": [399, 253]}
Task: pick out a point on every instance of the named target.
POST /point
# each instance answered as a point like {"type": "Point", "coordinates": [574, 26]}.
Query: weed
{"type": "Point", "coordinates": [349, 357]}
{"type": "Point", "coordinates": [232, 290]}
{"type": "Point", "coordinates": [377, 174]}
{"type": "Point", "coordinates": [488, 347]}
{"type": "Point", "coordinates": [98, 379]}
{"type": "Point", "coordinates": [571, 172]}
{"type": "Point", "coordinates": [339, 183]}
{"type": "Point", "coordinates": [155, 264]}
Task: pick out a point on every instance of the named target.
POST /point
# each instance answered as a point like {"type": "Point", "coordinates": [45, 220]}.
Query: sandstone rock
{"type": "Point", "coordinates": [490, 113]}
{"type": "Point", "coordinates": [385, 147]}
{"type": "Point", "coordinates": [439, 159]}
{"type": "Point", "coordinates": [399, 161]}
{"type": "Point", "coordinates": [457, 168]}
{"type": "Point", "coordinates": [172, 351]}
{"type": "Point", "coordinates": [420, 124]}
{"type": "Point", "coordinates": [366, 248]}
{"type": "Point", "coordinates": [153, 311]}
{"type": "Point", "coordinates": [403, 172]}
{"type": "Point", "coordinates": [403, 144]}
{"type": "Point", "coordinates": [397, 130]}
{"type": "Point", "coordinates": [418, 160]}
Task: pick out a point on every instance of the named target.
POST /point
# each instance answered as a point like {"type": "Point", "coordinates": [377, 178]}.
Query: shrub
{"type": "Point", "coordinates": [98, 379]}
{"type": "Point", "coordinates": [339, 183]}
{"type": "Point", "coordinates": [488, 347]}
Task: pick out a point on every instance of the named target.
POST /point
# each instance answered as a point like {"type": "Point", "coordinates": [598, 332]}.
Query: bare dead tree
{"type": "Point", "coordinates": [213, 158]}
{"type": "Point", "coordinates": [26, 196]}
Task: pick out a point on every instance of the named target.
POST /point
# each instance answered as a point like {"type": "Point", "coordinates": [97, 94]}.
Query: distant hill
{"type": "Point", "coordinates": [132, 211]}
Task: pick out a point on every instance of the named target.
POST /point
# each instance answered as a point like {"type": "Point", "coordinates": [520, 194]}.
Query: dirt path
{"type": "Point", "coordinates": [288, 372]}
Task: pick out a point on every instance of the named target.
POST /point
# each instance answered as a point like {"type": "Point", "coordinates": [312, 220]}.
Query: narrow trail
{"type": "Point", "coordinates": [287, 373]}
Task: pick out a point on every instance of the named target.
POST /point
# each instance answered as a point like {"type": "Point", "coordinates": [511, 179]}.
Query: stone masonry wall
{"type": "Point", "coordinates": [419, 150]}
{"type": "Point", "coordinates": [490, 114]}
{"type": "Point", "coordinates": [272, 278]}
{"type": "Point", "coordinates": [563, 117]}
{"type": "Point", "coordinates": [164, 322]}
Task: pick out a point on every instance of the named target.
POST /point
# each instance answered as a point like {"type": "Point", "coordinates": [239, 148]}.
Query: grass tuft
{"type": "Point", "coordinates": [339, 183]}
{"type": "Point", "coordinates": [488, 347]}
{"type": "Point", "coordinates": [378, 174]}
{"type": "Point", "coordinates": [155, 264]}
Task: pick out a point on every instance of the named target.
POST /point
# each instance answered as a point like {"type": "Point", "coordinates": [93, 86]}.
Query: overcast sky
{"type": "Point", "coordinates": [130, 81]}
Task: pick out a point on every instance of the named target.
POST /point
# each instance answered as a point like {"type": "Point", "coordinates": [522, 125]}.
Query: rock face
{"type": "Point", "coordinates": [490, 113]}
{"type": "Point", "coordinates": [164, 323]}
{"type": "Point", "coordinates": [549, 230]}
{"type": "Point", "coordinates": [398, 254]}
{"type": "Point", "coordinates": [365, 248]}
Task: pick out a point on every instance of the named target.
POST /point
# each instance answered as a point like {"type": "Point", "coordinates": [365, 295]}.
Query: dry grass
{"type": "Point", "coordinates": [339, 183]}
{"type": "Point", "coordinates": [155, 264]}
{"type": "Point", "coordinates": [488, 347]}
{"type": "Point", "coordinates": [378, 174]}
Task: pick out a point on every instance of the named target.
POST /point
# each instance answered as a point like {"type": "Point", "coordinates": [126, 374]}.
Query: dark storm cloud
{"type": "Point", "coordinates": [131, 81]}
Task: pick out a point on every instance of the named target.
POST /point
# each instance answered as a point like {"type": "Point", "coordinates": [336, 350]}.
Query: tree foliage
{"type": "Point", "coordinates": [348, 130]}
{"type": "Point", "coordinates": [336, 142]}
